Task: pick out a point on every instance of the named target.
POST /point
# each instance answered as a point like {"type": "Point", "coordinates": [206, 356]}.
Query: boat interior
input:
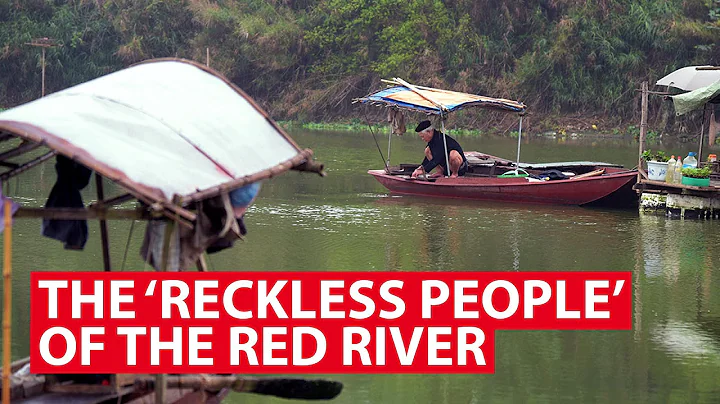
{"type": "Point", "coordinates": [485, 165]}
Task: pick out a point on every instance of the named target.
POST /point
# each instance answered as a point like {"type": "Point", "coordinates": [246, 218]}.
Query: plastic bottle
{"type": "Point", "coordinates": [677, 175]}
{"type": "Point", "coordinates": [690, 161]}
{"type": "Point", "coordinates": [670, 170]}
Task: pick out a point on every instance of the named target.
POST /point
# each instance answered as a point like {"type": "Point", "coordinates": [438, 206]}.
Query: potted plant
{"type": "Point", "coordinates": [656, 164]}
{"type": "Point", "coordinates": [699, 177]}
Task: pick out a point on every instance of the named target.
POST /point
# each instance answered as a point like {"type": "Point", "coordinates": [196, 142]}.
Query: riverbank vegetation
{"type": "Point", "coordinates": [575, 63]}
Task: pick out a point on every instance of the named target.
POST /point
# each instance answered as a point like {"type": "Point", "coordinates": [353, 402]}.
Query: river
{"type": "Point", "coordinates": [347, 221]}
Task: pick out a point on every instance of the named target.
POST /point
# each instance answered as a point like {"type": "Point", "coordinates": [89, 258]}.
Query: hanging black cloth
{"type": "Point", "coordinates": [72, 177]}
{"type": "Point", "coordinates": [229, 239]}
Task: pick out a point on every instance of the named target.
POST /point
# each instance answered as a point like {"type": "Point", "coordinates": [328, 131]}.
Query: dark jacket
{"type": "Point", "coordinates": [437, 148]}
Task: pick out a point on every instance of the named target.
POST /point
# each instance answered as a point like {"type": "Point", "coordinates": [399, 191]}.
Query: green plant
{"type": "Point", "coordinates": [696, 172]}
{"type": "Point", "coordinates": [649, 155]}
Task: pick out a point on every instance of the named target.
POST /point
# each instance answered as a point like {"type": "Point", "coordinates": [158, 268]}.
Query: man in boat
{"type": "Point", "coordinates": [435, 153]}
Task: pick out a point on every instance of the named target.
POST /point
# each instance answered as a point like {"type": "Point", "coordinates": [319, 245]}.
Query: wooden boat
{"type": "Point", "coordinates": [493, 178]}
{"type": "Point", "coordinates": [173, 135]}
{"type": "Point", "coordinates": [588, 183]}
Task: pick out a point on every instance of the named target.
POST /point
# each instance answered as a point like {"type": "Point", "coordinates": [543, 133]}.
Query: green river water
{"type": "Point", "coordinates": [347, 221]}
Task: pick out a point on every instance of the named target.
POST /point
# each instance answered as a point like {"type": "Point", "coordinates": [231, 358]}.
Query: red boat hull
{"type": "Point", "coordinates": [579, 191]}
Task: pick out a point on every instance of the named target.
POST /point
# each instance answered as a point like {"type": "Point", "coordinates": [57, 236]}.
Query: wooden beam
{"type": "Point", "coordinates": [663, 184]}
{"type": "Point", "coordinates": [112, 201]}
{"type": "Point", "coordinates": [83, 214]}
{"type": "Point", "coordinates": [30, 164]}
{"type": "Point", "coordinates": [103, 223]}
{"type": "Point", "coordinates": [655, 92]}
{"type": "Point", "coordinates": [296, 161]}
{"type": "Point", "coordinates": [24, 147]}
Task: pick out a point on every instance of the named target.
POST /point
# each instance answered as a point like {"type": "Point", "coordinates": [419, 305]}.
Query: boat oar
{"type": "Point", "coordinates": [301, 389]}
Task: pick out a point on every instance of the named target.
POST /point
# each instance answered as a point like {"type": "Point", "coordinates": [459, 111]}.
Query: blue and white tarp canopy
{"type": "Point", "coordinates": [434, 101]}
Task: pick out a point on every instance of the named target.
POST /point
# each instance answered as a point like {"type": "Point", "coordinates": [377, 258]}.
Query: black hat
{"type": "Point", "coordinates": [422, 126]}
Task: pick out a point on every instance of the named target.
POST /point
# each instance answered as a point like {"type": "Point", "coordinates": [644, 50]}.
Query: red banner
{"type": "Point", "coordinates": [306, 322]}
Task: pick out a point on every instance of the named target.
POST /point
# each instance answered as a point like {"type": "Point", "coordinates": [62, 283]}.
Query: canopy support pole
{"type": "Point", "coordinates": [702, 135]}
{"type": "Point", "coordinates": [7, 302]}
{"type": "Point", "coordinates": [389, 141]}
{"type": "Point", "coordinates": [517, 164]}
{"type": "Point", "coordinates": [447, 156]}
{"type": "Point", "coordinates": [103, 223]}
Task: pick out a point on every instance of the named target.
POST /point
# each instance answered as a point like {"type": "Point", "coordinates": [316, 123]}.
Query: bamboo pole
{"type": "Point", "coordinates": [414, 89]}
{"type": "Point", "coordinates": [517, 160]}
{"type": "Point", "coordinates": [43, 72]}
{"type": "Point", "coordinates": [643, 126]}
{"type": "Point", "coordinates": [389, 145]}
{"type": "Point", "coordinates": [447, 155]}
{"type": "Point", "coordinates": [443, 111]}
{"type": "Point", "coordinates": [702, 135]}
{"type": "Point", "coordinates": [7, 302]}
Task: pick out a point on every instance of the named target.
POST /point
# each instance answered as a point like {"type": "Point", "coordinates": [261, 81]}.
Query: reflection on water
{"type": "Point", "coordinates": [347, 221]}
{"type": "Point", "coordinates": [685, 341]}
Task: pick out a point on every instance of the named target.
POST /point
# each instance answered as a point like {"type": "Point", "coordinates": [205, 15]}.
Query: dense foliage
{"type": "Point", "coordinates": [306, 59]}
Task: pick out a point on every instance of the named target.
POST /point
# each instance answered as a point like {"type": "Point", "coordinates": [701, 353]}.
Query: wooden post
{"type": "Point", "coordinates": [643, 127]}
{"type": "Point", "coordinates": [160, 388]}
{"type": "Point", "coordinates": [207, 57]}
{"type": "Point", "coordinates": [43, 72]}
{"type": "Point", "coordinates": [161, 379]}
{"type": "Point", "coordinates": [7, 302]}
{"type": "Point", "coordinates": [103, 224]}
{"type": "Point", "coordinates": [43, 43]}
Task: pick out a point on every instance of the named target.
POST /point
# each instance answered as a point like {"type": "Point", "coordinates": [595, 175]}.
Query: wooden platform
{"type": "Point", "coordinates": [661, 187]}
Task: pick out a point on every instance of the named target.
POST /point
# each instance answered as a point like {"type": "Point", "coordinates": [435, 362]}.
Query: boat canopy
{"type": "Point", "coordinates": [426, 99]}
{"type": "Point", "coordinates": [163, 129]}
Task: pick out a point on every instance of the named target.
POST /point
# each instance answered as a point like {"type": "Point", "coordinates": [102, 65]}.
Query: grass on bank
{"type": "Point", "coordinates": [355, 126]}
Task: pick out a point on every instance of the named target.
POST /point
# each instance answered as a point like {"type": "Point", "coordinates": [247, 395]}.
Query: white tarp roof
{"type": "Point", "coordinates": [167, 127]}
{"type": "Point", "coordinates": [691, 78]}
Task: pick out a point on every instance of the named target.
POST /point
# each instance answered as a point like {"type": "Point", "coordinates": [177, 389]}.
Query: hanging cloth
{"type": "Point", "coordinates": [712, 129]}
{"type": "Point", "coordinates": [397, 120]}
{"type": "Point", "coordinates": [72, 177]}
